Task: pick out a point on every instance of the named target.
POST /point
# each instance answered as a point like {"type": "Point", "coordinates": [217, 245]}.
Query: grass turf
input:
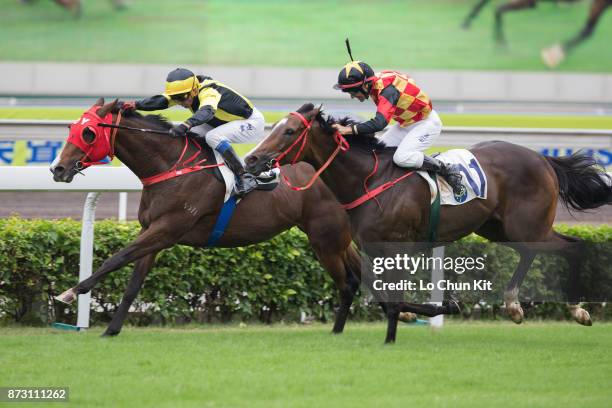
{"type": "Point", "coordinates": [464, 365]}
{"type": "Point", "coordinates": [449, 119]}
{"type": "Point", "coordinates": [392, 34]}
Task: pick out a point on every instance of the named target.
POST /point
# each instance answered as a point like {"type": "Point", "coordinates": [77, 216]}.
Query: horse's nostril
{"type": "Point", "coordinates": [251, 160]}
{"type": "Point", "coordinates": [58, 170]}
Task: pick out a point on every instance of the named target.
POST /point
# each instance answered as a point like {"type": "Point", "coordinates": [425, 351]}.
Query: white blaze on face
{"type": "Point", "coordinates": [54, 163]}
{"type": "Point", "coordinates": [279, 124]}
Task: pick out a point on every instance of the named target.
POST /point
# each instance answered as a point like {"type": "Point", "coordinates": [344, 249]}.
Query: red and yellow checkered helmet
{"type": "Point", "coordinates": [353, 75]}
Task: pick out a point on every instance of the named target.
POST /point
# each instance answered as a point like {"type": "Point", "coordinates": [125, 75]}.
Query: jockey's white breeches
{"type": "Point", "coordinates": [249, 130]}
{"type": "Point", "coordinates": [413, 139]}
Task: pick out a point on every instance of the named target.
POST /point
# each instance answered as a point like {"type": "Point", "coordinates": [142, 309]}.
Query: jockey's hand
{"type": "Point", "coordinates": [179, 130]}
{"type": "Point", "coordinates": [343, 130]}
{"type": "Point", "coordinates": [128, 105]}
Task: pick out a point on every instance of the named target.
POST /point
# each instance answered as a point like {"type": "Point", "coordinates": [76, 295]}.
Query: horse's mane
{"type": "Point", "coordinates": [364, 141]}
{"type": "Point", "coordinates": [148, 121]}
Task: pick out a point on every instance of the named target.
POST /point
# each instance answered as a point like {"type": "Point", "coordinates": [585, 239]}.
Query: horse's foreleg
{"type": "Point", "coordinates": [512, 5]}
{"type": "Point", "coordinates": [429, 310]}
{"type": "Point", "coordinates": [473, 13]}
{"type": "Point", "coordinates": [513, 306]}
{"type": "Point", "coordinates": [141, 269]}
{"type": "Point", "coordinates": [150, 241]}
{"type": "Point", "coordinates": [597, 9]}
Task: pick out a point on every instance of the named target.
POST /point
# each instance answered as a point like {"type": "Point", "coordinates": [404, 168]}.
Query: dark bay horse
{"type": "Point", "coordinates": [183, 210]}
{"type": "Point", "coordinates": [523, 190]}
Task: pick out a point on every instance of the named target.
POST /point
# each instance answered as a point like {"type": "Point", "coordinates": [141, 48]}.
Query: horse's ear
{"type": "Point", "coordinates": [99, 102]}
{"type": "Point", "coordinates": [106, 109]}
{"type": "Point", "coordinates": [305, 108]}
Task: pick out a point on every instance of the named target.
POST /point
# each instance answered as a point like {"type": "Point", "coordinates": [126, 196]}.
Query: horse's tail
{"type": "Point", "coordinates": [583, 184]}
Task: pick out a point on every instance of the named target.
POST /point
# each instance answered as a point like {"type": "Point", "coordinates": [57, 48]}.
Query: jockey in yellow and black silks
{"type": "Point", "coordinates": [397, 97]}
{"type": "Point", "coordinates": [220, 115]}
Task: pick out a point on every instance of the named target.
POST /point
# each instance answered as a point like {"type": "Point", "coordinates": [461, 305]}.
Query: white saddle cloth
{"type": "Point", "coordinates": [474, 179]}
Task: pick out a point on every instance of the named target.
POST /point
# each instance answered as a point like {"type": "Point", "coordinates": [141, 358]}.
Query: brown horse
{"type": "Point", "coordinates": [523, 190]}
{"type": "Point", "coordinates": [183, 210]}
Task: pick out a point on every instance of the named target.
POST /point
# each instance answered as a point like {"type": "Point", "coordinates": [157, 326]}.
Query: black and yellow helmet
{"type": "Point", "coordinates": [353, 75]}
{"type": "Point", "coordinates": [181, 81]}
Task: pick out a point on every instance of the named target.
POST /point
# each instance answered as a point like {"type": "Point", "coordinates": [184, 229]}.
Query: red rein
{"type": "Point", "coordinates": [340, 140]}
{"type": "Point", "coordinates": [343, 145]}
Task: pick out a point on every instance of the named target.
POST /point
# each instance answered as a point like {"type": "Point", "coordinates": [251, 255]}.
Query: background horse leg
{"type": "Point", "coordinates": [152, 240]}
{"type": "Point", "coordinates": [597, 9]}
{"type": "Point", "coordinates": [473, 13]}
{"type": "Point", "coordinates": [512, 5]}
{"type": "Point", "coordinates": [555, 54]}
{"type": "Point", "coordinates": [141, 269]}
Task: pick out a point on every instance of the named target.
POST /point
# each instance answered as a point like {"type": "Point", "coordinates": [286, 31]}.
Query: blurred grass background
{"type": "Point", "coordinates": [409, 34]}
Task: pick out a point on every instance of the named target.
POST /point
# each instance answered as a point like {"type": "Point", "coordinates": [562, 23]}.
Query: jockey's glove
{"type": "Point", "coordinates": [128, 105]}
{"type": "Point", "coordinates": [179, 130]}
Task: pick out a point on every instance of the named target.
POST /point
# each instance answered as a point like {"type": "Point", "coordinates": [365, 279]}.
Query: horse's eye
{"type": "Point", "coordinates": [88, 136]}
{"type": "Point", "coordinates": [289, 132]}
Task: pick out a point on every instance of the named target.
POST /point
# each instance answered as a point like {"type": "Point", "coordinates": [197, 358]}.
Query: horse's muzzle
{"type": "Point", "coordinates": [63, 175]}
{"type": "Point", "coordinates": [255, 165]}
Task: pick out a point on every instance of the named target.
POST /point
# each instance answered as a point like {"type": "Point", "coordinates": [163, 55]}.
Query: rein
{"type": "Point", "coordinates": [342, 145]}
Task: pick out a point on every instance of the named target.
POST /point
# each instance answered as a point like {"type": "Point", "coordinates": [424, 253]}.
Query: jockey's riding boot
{"type": "Point", "coordinates": [245, 182]}
{"type": "Point", "coordinates": [450, 172]}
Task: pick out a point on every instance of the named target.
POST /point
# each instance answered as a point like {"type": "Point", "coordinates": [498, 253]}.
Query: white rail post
{"type": "Point", "coordinates": [123, 197]}
{"type": "Point", "coordinates": [86, 259]}
{"type": "Point", "coordinates": [437, 295]}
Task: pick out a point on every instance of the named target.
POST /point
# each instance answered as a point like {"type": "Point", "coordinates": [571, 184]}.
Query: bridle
{"type": "Point", "coordinates": [342, 145]}
{"type": "Point", "coordinates": [103, 144]}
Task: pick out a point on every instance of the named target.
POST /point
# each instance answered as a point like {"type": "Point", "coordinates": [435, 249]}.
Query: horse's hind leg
{"type": "Point", "coordinates": [513, 306]}
{"type": "Point", "coordinates": [572, 249]}
{"type": "Point", "coordinates": [142, 268]}
{"type": "Point", "coordinates": [513, 229]}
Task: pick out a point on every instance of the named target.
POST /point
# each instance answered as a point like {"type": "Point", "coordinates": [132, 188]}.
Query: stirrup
{"type": "Point", "coordinates": [245, 183]}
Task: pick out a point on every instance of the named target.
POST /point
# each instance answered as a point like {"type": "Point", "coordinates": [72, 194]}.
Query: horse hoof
{"type": "Point", "coordinates": [581, 316]}
{"type": "Point", "coordinates": [553, 56]}
{"type": "Point", "coordinates": [67, 297]}
{"type": "Point", "coordinates": [407, 317]}
{"type": "Point", "coordinates": [515, 312]}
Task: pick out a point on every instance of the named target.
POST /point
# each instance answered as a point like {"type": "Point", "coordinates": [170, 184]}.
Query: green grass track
{"type": "Point", "coordinates": [463, 365]}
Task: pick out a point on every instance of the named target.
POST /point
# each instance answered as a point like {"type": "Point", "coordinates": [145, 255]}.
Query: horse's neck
{"type": "Point", "coordinates": [347, 172]}
{"type": "Point", "coordinates": [147, 154]}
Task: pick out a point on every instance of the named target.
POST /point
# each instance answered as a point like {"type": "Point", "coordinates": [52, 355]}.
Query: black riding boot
{"type": "Point", "coordinates": [450, 172]}
{"type": "Point", "coordinates": [245, 182]}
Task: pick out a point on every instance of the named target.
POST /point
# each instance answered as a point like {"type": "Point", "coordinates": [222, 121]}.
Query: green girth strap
{"type": "Point", "coordinates": [434, 212]}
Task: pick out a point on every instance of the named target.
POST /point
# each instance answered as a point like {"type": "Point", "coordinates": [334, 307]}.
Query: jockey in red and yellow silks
{"type": "Point", "coordinates": [397, 97]}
